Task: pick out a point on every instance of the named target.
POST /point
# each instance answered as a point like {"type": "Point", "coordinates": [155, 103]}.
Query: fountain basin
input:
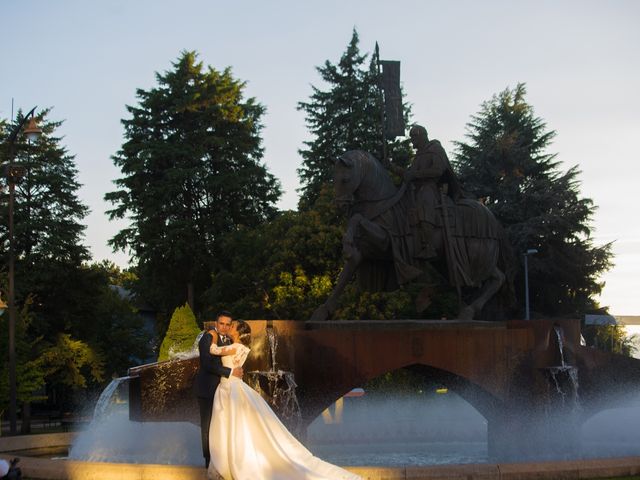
{"type": "Point", "coordinates": [44, 468]}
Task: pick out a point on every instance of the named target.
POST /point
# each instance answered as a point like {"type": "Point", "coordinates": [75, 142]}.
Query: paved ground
{"type": "Point", "coordinates": [43, 468]}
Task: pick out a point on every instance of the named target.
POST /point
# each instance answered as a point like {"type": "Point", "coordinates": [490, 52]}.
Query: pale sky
{"type": "Point", "coordinates": [579, 59]}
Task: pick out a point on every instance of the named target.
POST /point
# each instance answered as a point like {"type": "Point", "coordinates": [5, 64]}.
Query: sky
{"type": "Point", "coordinates": [579, 60]}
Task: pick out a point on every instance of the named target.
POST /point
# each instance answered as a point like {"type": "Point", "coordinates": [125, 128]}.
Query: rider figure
{"type": "Point", "coordinates": [429, 175]}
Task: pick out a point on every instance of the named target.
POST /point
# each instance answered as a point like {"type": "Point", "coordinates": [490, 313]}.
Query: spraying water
{"type": "Point", "coordinates": [193, 352]}
{"type": "Point", "coordinates": [108, 397]}
{"type": "Point", "coordinates": [278, 387]}
{"type": "Point", "coordinates": [565, 377]}
{"type": "Point", "coordinates": [114, 438]}
{"type": "Point", "coordinates": [391, 430]}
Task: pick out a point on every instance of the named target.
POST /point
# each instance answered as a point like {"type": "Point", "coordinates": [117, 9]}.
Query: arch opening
{"type": "Point", "coordinates": [417, 414]}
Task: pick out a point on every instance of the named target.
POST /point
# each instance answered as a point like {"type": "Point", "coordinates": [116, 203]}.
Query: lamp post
{"type": "Point", "coordinates": [13, 173]}
{"type": "Point", "coordinates": [530, 251]}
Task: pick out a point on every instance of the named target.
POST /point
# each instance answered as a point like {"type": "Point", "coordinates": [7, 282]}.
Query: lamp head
{"type": "Point", "coordinates": [32, 131]}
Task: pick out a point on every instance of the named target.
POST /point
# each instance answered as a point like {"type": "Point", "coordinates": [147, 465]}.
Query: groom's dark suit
{"type": "Point", "coordinates": [206, 382]}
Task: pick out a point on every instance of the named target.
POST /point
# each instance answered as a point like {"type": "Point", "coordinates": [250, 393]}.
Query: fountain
{"type": "Point", "coordinates": [278, 387]}
{"type": "Point", "coordinates": [111, 394]}
{"type": "Point", "coordinates": [564, 377]}
{"type": "Point", "coordinates": [513, 369]}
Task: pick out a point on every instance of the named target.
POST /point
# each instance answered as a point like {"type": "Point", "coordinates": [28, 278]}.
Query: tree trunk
{"type": "Point", "coordinates": [190, 295]}
{"type": "Point", "coordinates": [25, 427]}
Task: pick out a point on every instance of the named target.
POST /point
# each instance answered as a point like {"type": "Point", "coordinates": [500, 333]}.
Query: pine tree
{"type": "Point", "coordinates": [67, 319]}
{"type": "Point", "coordinates": [48, 228]}
{"type": "Point", "coordinates": [344, 117]}
{"type": "Point", "coordinates": [505, 163]}
{"type": "Point", "coordinates": [285, 269]}
{"type": "Point", "coordinates": [182, 332]}
{"type": "Point", "coordinates": [192, 172]}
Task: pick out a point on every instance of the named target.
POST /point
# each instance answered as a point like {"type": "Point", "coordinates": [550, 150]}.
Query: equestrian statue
{"type": "Point", "coordinates": [393, 232]}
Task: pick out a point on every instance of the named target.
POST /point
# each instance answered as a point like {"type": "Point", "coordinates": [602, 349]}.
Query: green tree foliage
{"type": "Point", "coordinates": [610, 338]}
{"type": "Point", "coordinates": [286, 267]}
{"type": "Point", "coordinates": [58, 360]}
{"type": "Point", "coordinates": [345, 116]}
{"type": "Point", "coordinates": [182, 332]}
{"type": "Point", "coordinates": [192, 172]}
{"type": "Point", "coordinates": [298, 294]}
{"type": "Point", "coordinates": [112, 324]}
{"type": "Point", "coordinates": [50, 275]}
{"type": "Point", "coordinates": [506, 164]}
{"type": "Point", "coordinates": [48, 228]}
{"type": "Point", "coordinates": [30, 371]}
{"type": "Point", "coordinates": [72, 328]}
{"type": "Point", "coordinates": [283, 268]}
{"type": "Point", "coordinates": [72, 363]}
{"type": "Point", "coordinates": [104, 331]}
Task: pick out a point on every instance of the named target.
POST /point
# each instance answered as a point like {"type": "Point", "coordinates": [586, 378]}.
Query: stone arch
{"type": "Point", "coordinates": [488, 405]}
{"type": "Point", "coordinates": [352, 428]}
{"type": "Point", "coordinates": [483, 401]}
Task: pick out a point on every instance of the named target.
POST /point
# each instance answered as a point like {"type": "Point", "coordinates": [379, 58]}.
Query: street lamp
{"type": "Point", "coordinates": [13, 173]}
{"type": "Point", "coordinates": [530, 251]}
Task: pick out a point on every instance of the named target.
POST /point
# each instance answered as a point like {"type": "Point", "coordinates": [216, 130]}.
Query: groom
{"type": "Point", "coordinates": [209, 373]}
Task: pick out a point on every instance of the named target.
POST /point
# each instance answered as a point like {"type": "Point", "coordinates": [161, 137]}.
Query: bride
{"type": "Point", "coordinates": [248, 440]}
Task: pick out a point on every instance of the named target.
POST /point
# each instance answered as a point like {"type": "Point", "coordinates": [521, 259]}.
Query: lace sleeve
{"type": "Point", "coordinates": [240, 356]}
{"type": "Point", "coordinates": [216, 350]}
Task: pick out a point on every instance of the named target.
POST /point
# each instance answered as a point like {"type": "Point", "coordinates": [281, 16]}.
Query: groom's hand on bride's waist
{"type": "Point", "coordinates": [237, 372]}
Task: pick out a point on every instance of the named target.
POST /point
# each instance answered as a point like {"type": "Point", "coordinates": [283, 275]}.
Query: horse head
{"type": "Point", "coordinates": [360, 177]}
{"type": "Point", "coordinates": [346, 178]}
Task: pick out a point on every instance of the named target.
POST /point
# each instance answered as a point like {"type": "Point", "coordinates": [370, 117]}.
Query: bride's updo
{"type": "Point", "coordinates": [244, 332]}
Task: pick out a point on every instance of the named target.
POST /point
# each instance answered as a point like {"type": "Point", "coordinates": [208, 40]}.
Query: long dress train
{"type": "Point", "coordinates": [248, 441]}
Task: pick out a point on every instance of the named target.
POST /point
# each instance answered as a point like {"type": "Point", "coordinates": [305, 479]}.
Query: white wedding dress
{"type": "Point", "coordinates": [248, 441]}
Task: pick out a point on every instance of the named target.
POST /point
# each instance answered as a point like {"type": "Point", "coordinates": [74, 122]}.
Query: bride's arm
{"type": "Point", "coordinates": [222, 351]}
{"type": "Point", "coordinates": [214, 349]}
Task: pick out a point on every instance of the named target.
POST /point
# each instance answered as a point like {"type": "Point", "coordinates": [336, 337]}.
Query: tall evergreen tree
{"type": "Point", "coordinates": [285, 268]}
{"type": "Point", "coordinates": [192, 171]}
{"type": "Point", "coordinates": [48, 227]}
{"type": "Point", "coordinates": [344, 117]}
{"type": "Point", "coordinates": [505, 162]}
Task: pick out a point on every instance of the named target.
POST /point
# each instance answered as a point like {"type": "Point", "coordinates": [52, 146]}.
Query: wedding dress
{"type": "Point", "coordinates": [248, 441]}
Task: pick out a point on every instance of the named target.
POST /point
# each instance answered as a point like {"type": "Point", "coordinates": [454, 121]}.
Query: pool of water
{"type": "Point", "coordinates": [402, 454]}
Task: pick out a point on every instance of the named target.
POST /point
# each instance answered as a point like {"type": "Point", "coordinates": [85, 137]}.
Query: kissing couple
{"type": "Point", "coordinates": [242, 438]}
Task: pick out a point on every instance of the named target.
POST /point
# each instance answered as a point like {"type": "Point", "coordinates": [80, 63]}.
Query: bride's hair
{"type": "Point", "coordinates": [244, 332]}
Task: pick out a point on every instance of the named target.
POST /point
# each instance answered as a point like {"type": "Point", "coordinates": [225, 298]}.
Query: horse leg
{"type": "Point", "coordinates": [349, 238]}
{"type": "Point", "coordinates": [489, 288]}
{"type": "Point", "coordinates": [353, 256]}
{"type": "Point", "coordinates": [324, 311]}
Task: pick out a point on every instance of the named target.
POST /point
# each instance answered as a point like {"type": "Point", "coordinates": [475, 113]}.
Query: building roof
{"type": "Point", "coordinates": [600, 320]}
{"type": "Point", "coordinates": [628, 319]}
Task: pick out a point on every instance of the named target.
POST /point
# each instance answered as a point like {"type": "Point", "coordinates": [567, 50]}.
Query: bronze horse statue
{"type": "Point", "coordinates": [382, 240]}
